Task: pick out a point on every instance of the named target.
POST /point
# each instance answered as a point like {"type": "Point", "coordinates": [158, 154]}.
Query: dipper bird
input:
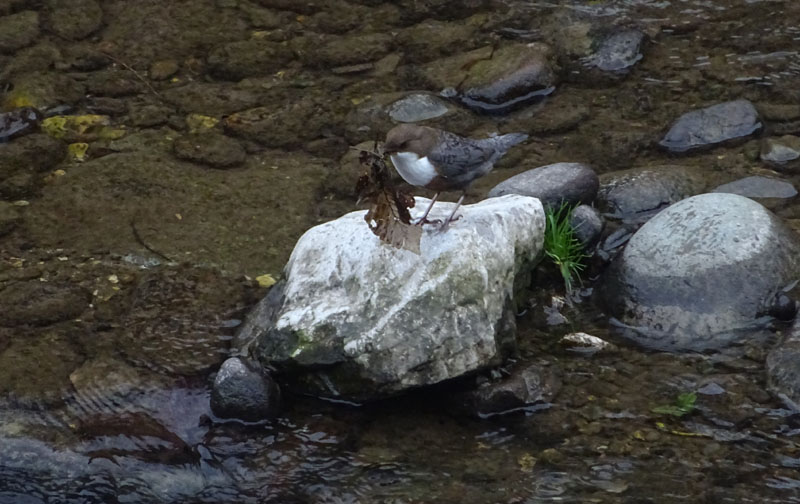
{"type": "Point", "coordinates": [443, 161]}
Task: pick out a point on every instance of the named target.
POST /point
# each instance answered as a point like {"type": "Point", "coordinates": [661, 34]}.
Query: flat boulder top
{"type": "Point", "coordinates": [730, 230]}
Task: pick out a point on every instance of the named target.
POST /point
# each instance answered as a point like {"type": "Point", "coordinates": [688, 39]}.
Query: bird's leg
{"type": "Point", "coordinates": [450, 219]}
{"type": "Point", "coordinates": [423, 220]}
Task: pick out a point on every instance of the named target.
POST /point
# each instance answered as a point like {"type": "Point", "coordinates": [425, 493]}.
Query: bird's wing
{"type": "Point", "coordinates": [456, 156]}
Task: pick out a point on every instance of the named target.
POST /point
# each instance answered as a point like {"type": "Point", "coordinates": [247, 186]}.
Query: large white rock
{"type": "Point", "coordinates": [360, 319]}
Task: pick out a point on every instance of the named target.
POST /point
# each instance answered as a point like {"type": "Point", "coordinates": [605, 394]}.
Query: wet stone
{"type": "Point", "coordinates": [19, 122]}
{"type": "Point", "coordinates": [700, 272]}
{"type": "Point", "coordinates": [84, 57]}
{"type": "Point", "coordinates": [108, 385]}
{"type": "Point", "coordinates": [638, 193]}
{"type": "Point", "coordinates": [778, 111]}
{"type": "Point", "coordinates": [552, 184]}
{"type": "Point", "coordinates": [299, 6]}
{"type": "Point", "coordinates": [148, 114]}
{"type": "Point", "coordinates": [74, 19]}
{"type": "Point", "coordinates": [340, 50]}
{"type": "Point", "coordinates": [212, 99]}
{"type": "Point", "coordinates": [618, 52]}
{"type": "Point", "coordinates": [525, 387]}
{"type": "Point", "coordinates": [433, 39]}
{"type": "Point", "coordinates": [45, 90]}
{"type": "Point", "coordinates": [114, 82]}
{"type": "Point", "coordinates": [783, 368]}
{"type": "Point", "coordinates": [163, 69]}
{"type": "Point", "coordinates": [510, 78]}
{"type": "Point", "coordinates": [712, 125]}
{"type": "Point", "coordinates": [417, 107]}
{"type": "Point", "coordinates": [248, 58]}
{"type": "Point", "coordinates": [212, 148]}
{"type": "Point", "coordinates": [242, 390]}
{"type": "Point", "coordinates": [34, 371]}
{"type": "Point", "coordinates": [338, 17]}
{"type": "Point", "coordinates": [41, 303]}
{"type": "Point", "coordinates": [174, 326]}
{"type": "Point", "coordinates": [9, 217]}
{"type": "Point", "coordinates": [759, 187]}
{"type": "Point", "coordinates": [18, 30]}
{"type": "Point", "coordinates": [37, 58]}
{"type": "Point", "coordinates": [780, 150]}
{"type": "Point", "coordinates": [287, 126]}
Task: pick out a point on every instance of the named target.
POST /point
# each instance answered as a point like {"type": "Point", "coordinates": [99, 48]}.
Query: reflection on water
{"type": "Point", "coordinates": [129, 419]}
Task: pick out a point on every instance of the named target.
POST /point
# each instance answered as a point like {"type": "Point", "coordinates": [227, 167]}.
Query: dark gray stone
{"type": "Point", "coordinates": [701, 272]}
{"type": "Point", "coordinates": [587, 224]}
{"type": "Point", "coordinates": [242, 390]}
{"type": "Point", "coordinates": [515, 76]}
{"type": "Point", "coordinates": [712, 125]}
{"type": "Point", "coordinates": [525, 387]}
{"type": "Point", "coordinates": [759, 187]}
{"type": "Point", "coordinates": [553, 184]}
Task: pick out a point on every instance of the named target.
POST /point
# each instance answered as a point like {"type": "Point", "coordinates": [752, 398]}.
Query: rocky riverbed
{"type": "Point", "coordinates": [159, 161]}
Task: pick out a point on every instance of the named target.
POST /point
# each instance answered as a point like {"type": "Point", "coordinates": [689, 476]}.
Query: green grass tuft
{"type": "Point", "coordinates": [561, 245]}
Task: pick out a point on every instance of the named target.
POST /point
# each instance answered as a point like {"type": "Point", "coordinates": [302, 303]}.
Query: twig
{"type": "Point", "coordinates": [131, 69]}
{"type": "Point", "coordinates": [141, 242]}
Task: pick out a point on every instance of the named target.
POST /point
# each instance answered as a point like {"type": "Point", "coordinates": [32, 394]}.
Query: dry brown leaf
{"type": "Point", "coordinates": [388, 216]}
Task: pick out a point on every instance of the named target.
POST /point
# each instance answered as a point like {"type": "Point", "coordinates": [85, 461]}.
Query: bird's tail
{"type": "Point", "coordinates": [505, 142]}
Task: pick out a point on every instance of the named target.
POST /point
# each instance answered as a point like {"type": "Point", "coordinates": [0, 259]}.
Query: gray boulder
{"type": "Point", "coordinates": [712, 125]}
{"type": "Point", "coordinates": [552, 184]}
{"type": "Point", "coordinates": [701, 273]}
{"type": "Point", "coordinates": [360, 319]}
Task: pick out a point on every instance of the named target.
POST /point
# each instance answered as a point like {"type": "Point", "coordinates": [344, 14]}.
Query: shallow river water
{"type": "Point", "coordinates": [108, 402]}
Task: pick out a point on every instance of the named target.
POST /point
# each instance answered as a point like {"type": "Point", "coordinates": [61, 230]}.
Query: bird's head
{"type": "Point", "coordinates": [410, 138]}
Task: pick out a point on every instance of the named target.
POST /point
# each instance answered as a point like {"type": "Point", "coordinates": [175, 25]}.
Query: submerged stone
{"type": "Point", "coordinates": [781, 150]}
{"type": "Point", "coordinates": [701, 273]}
{"type": "Point", "coordinates": [417, 107]}
{"type": "Point", "coordinates": [513, 77]}
{"type": "Point", "coordinates": [18, 30]}
{"type": "Point", "coordinates": [712, 125]}
{"type": "Point", "coordinates": [496, 81]}
{"type": "Point", "coordinates": [360, 319]}
{"type": "Point", "coordinates": [618, 52]}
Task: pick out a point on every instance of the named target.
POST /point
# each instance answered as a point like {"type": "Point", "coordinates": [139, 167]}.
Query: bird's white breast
{"type": "Point", "coordinates": [414, 170]}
